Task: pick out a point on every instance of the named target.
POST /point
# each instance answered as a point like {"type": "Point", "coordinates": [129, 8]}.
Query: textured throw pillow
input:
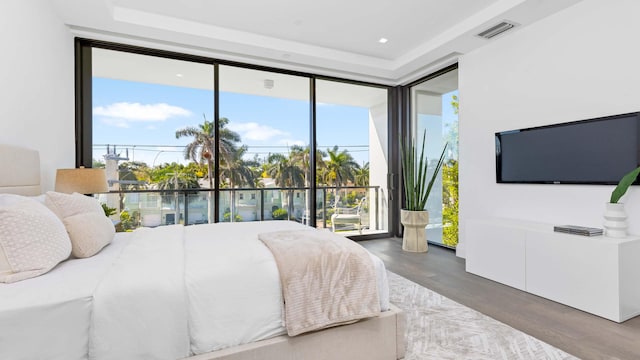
{"type": "Point", "coordinates": [88, 228]}
{"type": "Point", "coordinates": [32, 239]}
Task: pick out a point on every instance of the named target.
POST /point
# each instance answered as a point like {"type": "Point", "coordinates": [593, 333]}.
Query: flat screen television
{"type": "Point", "coordinates": [594, 151]}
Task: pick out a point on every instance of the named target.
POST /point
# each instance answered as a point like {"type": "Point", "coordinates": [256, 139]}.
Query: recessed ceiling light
{"type": "Point", "coordinates": [179, 75]}
{"type": "Point", "coordinates": [383, 40]}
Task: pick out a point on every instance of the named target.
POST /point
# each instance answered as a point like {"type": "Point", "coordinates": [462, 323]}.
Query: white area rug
{"type": "Point", "coordinates": [440, 328]}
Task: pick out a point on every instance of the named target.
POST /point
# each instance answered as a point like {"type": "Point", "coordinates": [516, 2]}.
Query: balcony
{"type": "Point", "coordinates": [152, 208]}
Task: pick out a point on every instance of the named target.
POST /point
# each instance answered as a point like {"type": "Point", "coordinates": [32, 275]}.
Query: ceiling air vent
{"type": "Point", "coordinates": [497, 29]}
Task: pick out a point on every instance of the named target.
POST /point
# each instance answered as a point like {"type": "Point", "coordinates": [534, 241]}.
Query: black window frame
{"type": "Point", "coordinates": [84, 117]}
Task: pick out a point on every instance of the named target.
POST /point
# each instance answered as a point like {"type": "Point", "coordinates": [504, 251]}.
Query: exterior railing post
{"type": "Point", "coordinates": [377, 191]}
{"type": "Point", "coordinates": [186, 207]}
{"type": "Point", "coordinates": [324, 207]}
{"type": "Point", "coordinates": [261, 204]}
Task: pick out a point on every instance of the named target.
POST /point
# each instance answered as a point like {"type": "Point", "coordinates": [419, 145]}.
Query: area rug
{"type": "Point", "coordinates": [440, 328]}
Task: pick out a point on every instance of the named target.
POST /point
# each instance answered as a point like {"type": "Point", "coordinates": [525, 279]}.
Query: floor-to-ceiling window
{"type": "Point", "coordinates": [140, 106]}
{"type": "Point", "coordinates": [434, 111]}
{"type": "Point", "coordinates": [194, 140]}
{"type": "Point", "coordinates": [352, 141]}
{"type": "Point", "coordinates": [264, 133]}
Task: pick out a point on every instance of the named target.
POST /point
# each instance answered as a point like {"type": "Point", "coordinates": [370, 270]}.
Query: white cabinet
{"type": "Point", "coordinates": [597, 274]}
{"type": "Point", "coordinates": [505, 246]}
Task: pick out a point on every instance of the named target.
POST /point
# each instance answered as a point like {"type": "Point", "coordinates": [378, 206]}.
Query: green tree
{"type": "Point", "coordinates": [301, 156]}
{"type": "Point", "coordinates": [341, 167]}
{"type": "Point", "coordinates": [202, 148]}
{"type": "Point", "coordinates": [286, 174]}
{"type": "Point", "coordinates": [97, 164]}
{"type": "Point", "coordinates": [361, 175]}
{"type": "Point", "coordinates": [450, 197]}
{"type": "Point", "coordinates": [237, 171]}
{"type": "Point", "coordinates": [450, 203]}
{"type": "Point", "coordinates": [132, 171]}
{"type": "Point", "coordinates": [180, 179]}
{"type": "Point", "coordinates": [174, 176]}
{"type": "Point", "coordinates": [452, 129]}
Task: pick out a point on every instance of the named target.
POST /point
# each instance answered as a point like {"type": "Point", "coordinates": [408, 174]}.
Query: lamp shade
{"type": "Point", "coordinates": [82, 180]}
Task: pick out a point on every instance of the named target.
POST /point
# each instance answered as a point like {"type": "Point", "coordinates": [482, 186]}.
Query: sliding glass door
{"type": "Point", "coordinates": [352, 126]}
{"type": "Point", "coordinates": [434, 111]}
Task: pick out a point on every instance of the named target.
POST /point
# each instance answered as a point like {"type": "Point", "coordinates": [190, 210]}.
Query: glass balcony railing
{"type": "Point", "coordinates": [345, 209]}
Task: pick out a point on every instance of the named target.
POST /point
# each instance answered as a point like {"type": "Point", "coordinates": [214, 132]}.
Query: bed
{"type": "Point", "coordinates": [114, 305]}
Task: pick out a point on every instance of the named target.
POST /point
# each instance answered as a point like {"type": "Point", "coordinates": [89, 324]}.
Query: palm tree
{"type": "Point", "coordinates": [301, 156]}
{"type": "Point", "coordinates": [286, 175]}
{"type": "Point", "coordinates": [239, 173]}
{"type": "Point", "coordinates": [238, 170]}
{"type": "Point", "coordinates": [180, 179]}
{"type": "Point", "coordinates": [203, 147]}
{"type": "Point", "coordinates": [341, 167]}
{"type": "Point", "coordinates": [361, 175]}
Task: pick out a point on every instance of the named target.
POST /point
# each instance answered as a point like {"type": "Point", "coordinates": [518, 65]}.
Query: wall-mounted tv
{"type": "Point", "coordinates": [594, 151]}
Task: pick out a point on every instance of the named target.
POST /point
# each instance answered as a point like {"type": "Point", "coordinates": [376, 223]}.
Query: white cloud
{"type": "Point", "coordinates": [121, 123]}
{"type": "Point", "coordinates": [255, 131]}
{"type": "Point", "coordinates": [122, 113]}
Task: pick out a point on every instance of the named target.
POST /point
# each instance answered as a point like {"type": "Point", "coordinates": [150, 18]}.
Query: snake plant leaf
{"type": "Point", "coordinates": [414, 174]}
{"type": "Point", "coordinates": [623, 185]}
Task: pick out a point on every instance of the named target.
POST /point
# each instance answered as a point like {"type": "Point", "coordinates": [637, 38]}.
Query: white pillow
{"type": "Point", "coordinates": [32, 239]}
{"type": "Point", "coordinates": [88, 227]}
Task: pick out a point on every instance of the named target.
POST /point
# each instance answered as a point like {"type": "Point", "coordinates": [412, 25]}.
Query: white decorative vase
{"type": "Point", "coordinates": [615, 220]}
{"type": "Point", "coordinates": [414, 238]}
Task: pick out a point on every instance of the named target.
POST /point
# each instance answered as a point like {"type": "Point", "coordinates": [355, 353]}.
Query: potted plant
{"type": "Point", "coordinates": [417, 188]}
{"type": "Point", "coordinates": [615, 218]}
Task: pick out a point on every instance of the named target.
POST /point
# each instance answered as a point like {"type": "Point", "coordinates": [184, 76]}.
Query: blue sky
{"type": "Point", "coordinates": [128, 113]}
{"type": "Point", "coordinates": [132, 113]}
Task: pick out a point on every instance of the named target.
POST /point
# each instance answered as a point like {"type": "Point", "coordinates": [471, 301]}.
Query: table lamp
{"type": "Point", "coordinates": [82, 180]}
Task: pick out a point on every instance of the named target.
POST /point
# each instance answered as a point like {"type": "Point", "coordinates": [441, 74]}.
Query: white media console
{"type": "Point", "coordinates": [597, 274]}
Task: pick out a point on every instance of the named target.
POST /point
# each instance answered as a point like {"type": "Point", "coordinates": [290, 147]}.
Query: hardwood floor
{"type": "Point", "coordinates": [576, 332]}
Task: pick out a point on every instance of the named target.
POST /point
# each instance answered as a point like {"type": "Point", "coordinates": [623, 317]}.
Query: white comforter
{"type": "Point", "coordinates": [163, 293]}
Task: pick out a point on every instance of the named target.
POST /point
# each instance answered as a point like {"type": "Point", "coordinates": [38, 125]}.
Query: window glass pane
{"type": "Point", "coordinates": [435, 110]}
{"type": "Point", "coordinates": [352, 123]}
{"type": "Point", "coordinates": [264, 133]}
{"type": "Point", "coordinates": [154, 129]}
{"type": "Point", "coordinates": [140, 103]}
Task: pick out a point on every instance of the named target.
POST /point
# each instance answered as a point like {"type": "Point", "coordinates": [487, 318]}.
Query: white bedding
{"type": "Point", "coordinates": [48, 317]}
{"type": "Point", "coordinates": [152, 294]}
{"type": "Point", "coordinates": [140, 308]}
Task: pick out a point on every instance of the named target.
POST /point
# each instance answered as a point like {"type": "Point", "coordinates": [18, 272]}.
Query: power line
{"type": "Point", "coordinates": [154, 147]}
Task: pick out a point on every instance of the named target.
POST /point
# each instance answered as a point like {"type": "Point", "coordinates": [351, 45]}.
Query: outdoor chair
{"type": "Point", "coordinates": [350, 216]}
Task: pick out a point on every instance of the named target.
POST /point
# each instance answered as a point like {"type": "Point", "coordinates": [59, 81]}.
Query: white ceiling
{"type": "Point", "coordinates": [330, 37]}
{"type": "Point", "coordinates": [157, 70]}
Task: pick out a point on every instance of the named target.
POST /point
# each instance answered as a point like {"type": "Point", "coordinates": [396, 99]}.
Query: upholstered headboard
{"type": "Point", "coordinates": [19, 170]}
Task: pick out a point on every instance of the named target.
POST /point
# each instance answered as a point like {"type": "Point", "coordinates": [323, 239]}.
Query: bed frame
{"type": "Point", "coordinates": [376, 338]}
{"type": "Point", "coordinates": [20, 171]}
{"type": "Point", "coordinates": [381, 337]}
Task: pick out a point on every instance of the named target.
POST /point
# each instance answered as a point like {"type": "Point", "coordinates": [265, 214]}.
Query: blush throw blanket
{"type": "Point", "coordinates": [327, 280]}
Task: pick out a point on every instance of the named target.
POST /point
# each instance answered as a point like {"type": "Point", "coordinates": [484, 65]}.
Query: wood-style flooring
{"type": "Point", "coordinates": [579, 333]}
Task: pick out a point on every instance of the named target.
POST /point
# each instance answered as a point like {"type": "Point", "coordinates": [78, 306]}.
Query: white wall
{"type": "Point", "coordinates": [36, 84]}
{"type": "Point", "coordinates": [379, 164]}
{"type": "Point", "coordinates": [581, 63]}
